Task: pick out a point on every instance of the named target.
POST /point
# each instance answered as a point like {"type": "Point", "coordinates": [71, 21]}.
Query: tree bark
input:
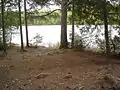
{"type": "Point", "coordinates": [73, 31]}
{"type": "Point", "coordinates": [20, 23]}
{"type": "Point", "coordinates": [64, 42]}
{"type": "Point", "coordinates": [26, 25]}
{"type": "Point", "coordinates": [3, 27]}
{"type": "Point", "coordinates": [105, 13]}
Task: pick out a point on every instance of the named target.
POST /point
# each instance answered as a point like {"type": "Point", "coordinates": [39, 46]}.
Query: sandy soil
{"type": "Point", "coordinates": [55, 70]}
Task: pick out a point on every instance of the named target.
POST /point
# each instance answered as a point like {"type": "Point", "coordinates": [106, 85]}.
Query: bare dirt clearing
{"type": "Point", "coordinates": [57, 70]}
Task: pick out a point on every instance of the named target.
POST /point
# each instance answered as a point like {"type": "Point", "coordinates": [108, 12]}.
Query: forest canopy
{"type": "Point", "coordinates": [71, 12]}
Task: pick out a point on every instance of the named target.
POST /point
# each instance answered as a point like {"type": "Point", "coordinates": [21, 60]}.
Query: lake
{"type": "Point", "coordinates": [50, 33]}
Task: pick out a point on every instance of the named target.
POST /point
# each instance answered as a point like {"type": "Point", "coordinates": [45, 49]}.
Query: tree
{"type": "Point", "coordinates": [26, 27]}
{"type": "Point", "coordinates": [96, 12]}
{"type": "Point", "coordinates": [64, 5]}
{"type": "Point", "coordinates": [64, 43]}
{"type": "Point", "coordinates": [73, 24]}
{"type": "Point", "coordinates": [105, 18]}
{"type": "Point", "coordinates": [20, 23]}
{"type": "Point", "coordinates": [3, 26]}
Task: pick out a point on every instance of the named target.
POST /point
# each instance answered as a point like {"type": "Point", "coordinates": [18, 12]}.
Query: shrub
{"type": "Point", "coordinates": [57, 45]}
{"type": "Point", "coordinates": [101, 44]}
{"type": "Point", "coordinates": [37, 40]}
{"type": "Point", "coordinates": [114, 44]}
{"type": "Point", "coordinates": [79, 43]}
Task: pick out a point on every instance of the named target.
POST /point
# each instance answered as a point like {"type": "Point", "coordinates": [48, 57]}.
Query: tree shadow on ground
{"type": "Point", "coordinates": [106, 61]}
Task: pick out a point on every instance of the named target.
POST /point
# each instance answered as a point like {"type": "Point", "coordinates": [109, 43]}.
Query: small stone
{"type": "Point", "coordinates": [41, 68]}
{"type": "Point", "coordinates": [25, 84]}
{"type": "Point", "coordinates": [29, 77]}
{"type": "Point", "coordinates": [21, 88]}
{"type": "Point", "coordinates": [68, 76]}
{"type": "Point", "coordinates": [101, 68]}
{"type": "Point", "coordinates": [51, 54]}
{"type": "Point", "coordinates": [6, 86]}
{"type": "Point", "coordinates": [11, 67]}
{"type": "Point", "coordinates": [13, 81]}
{"type": "Point", "coordinates": [9, 58]}
{"type": "Point", "coordinates": [30, 69]}
{"type": "Point", "coordinates": [69, 72]}
{"type": "Point", "coordinates": [42, 75]}
{"type": "Point", "coordinates": [110, 79]}
{"type": "Point", "coordinates": [38, 54]}
{"type": "Point", "coordinates": [75, 87]}
{"type": "Point", "coordinates": [39, 88]}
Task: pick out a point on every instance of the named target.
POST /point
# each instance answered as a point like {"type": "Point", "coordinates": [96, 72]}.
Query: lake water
{"type": "Point", "coordinates": [50, 33]}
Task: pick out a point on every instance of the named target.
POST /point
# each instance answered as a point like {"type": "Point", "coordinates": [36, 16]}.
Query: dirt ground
{"type": "Point", "coordinates": [56, 70]}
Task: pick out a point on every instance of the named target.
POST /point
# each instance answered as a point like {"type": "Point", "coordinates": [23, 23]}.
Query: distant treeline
{"type": "Point", "coordinates": [36, 18]}
{"type": "Point", "coordinates": [45, 18]}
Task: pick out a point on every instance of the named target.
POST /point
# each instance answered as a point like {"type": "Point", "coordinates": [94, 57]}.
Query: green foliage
{"type": "Point", "coordinates": [79, 43]}
{"type": "Point", "coordinates": [37, 40]}
{"type": "Point", "coordinates": [114, 44]}
{"type": "Point", "coordinates": [86, 12]}
{"type": "Point", "coordinates": [56, 46]}
{"type": "Point", "coordinates": [41, 18]}
{"type": "Point", "coordinates": [99, 52]}
{"type": "Point", "coordinates": [11, 24]}
{"type": "Point", "coordinates": [11, 19]}
{"type": "Point", "coordinates": [91, 12]}
{"type": "Point", "coordinates": [101, 44]}
{"type": "Point", "coordinates": [34, 18]}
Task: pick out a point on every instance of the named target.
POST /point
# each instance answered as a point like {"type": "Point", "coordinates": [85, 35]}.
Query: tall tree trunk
{"type": "Point", "coordinates": [64, 43]}
{"type": "Point", "coordinates": [3, 27]}
{"type": "Point", "coordinates": [73, 31]}
{"type": "Point", "coordinates": [105, 13]}
{"type": "Point", "coordinates": [20, 23]}
{"type": "Point", "coordinates": [26, 25]}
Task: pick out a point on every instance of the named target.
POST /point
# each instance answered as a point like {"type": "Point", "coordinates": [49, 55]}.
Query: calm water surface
{"type": "Point", "coordinates": [50, 33]}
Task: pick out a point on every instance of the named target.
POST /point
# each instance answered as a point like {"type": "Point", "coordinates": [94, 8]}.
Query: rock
{"type": "Point", "coordinates": [38, 54]}
{"type": "Point", "coordinates": [8, 58]}
{"type": "Point", "coordinates": [7, 86]}
{"type": "Point", "coordinates": [110, 79]}
{"type": "Point", "coordinates": [101, 68]}
{"type": "Point", "coordinates": [69, 72]}
{"type": "Point", "coordinates": [42, 75]}
{"type": "Point", "coordinates": [11, 67]}
{"type": "Point", "coordinates": [25, 84]}
{"type": "Point", "coordinates": [75, 87]}
{"type": "Point", "coordinates": [49, 53]}
{"type": "Point", "coordinates": [39, 88]}
{"type": "Point", "coordinates": [41, 68]}
{"type": "Point", "coordinates": [109, 82]}
{"type": "Point", "coordinates": [80, 88]}
{"type": "Point", "coordinates": [68, 76]}
{"type": "Point", "coordinates": [30, 69]}
{"type": "Point", "coordinates": [21, 88]}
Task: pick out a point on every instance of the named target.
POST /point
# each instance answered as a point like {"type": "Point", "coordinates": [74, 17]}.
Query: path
{"type": "Point", "coordinates": [53, 70]}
